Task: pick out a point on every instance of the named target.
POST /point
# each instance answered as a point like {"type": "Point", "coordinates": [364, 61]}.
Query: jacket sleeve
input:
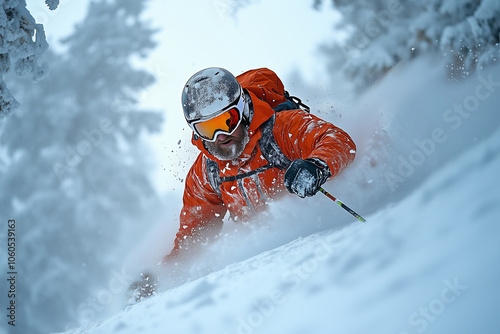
{"type": "Point", "coordinates": [202, 212]}
{"type": "Point", "coordinates": [301, 135]}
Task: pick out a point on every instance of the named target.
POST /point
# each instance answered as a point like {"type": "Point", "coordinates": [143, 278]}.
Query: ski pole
{"type": "Point", "coordinates": [342, 205]}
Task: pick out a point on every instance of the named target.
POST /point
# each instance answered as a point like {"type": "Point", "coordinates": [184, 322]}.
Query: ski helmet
{"type": "Point", "coordinates": [208, 92]}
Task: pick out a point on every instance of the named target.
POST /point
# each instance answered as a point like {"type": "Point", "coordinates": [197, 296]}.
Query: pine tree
{"type": "Point", "coordinates": [384, 32]}
{"type": "Point", "coordinates": [76, 168]}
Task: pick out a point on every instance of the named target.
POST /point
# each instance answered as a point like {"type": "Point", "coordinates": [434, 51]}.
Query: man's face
{"type": "Point", "coordinates": [229, 147]}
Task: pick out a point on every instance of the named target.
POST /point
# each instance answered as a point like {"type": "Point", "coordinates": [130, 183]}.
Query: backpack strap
{"type": "Point", "coordinates": [268, 146]}
{"type": "Point", "coordinates": [270, 151]}
{"type": "Point", "coordinates": [213, 175]}
{"type": "Point", "coordinates": [291, 103]}
{"type": "Point", "coordinates": [297, 103]}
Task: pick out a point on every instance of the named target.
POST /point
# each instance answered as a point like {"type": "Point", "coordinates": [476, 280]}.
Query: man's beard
{"type": "Point", "coordinates": [231, 152]}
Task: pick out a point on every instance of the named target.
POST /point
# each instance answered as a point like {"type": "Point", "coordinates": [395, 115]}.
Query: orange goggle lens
{"type": "Point", "coordinates": [226, 123]}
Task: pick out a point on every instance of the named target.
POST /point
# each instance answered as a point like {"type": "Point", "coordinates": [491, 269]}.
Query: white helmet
{"type": "Point", "coordinates": [208, 92]}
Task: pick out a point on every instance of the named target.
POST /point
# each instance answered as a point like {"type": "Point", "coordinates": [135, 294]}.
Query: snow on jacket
{"type": "Point", "coordinates": [300, 135]}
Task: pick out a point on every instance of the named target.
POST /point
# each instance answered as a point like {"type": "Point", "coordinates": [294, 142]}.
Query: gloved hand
{"type": "Point", "coordinates": [305, 177]}
{"type": "Point", "coordinates": [141, 289]}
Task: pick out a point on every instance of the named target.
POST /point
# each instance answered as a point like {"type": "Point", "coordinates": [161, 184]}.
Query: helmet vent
{"type": "Point", "coordinates": [201, 79]}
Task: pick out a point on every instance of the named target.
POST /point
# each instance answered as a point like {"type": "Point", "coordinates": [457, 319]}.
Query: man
{"type": "Point", "coordinates": [249, 153]}
{"type": "Point", "coordinates": [228, 121]}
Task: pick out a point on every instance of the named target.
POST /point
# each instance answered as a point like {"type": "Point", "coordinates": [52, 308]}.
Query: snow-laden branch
{"type": "Point", "coordinates": [52, 4]}
{"type": "Point", "coordinates": [383, 33]}
{"type": "Point", "coordinates": [22, 45]}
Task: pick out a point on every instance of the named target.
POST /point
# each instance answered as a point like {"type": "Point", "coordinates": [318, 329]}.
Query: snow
{"type": "Point", "coordinates": [52, 4]}
{"type": "Point", "coordinates": [425, 260]}
{"type": "Point", "coordinates": [385, 32]}
{"type": "Point", "coordinates": [425, 174]}
{"type": "Point", "coordinates": [22, 45]}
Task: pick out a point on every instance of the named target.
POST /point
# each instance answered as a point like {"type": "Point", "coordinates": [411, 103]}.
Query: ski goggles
{"type": "Point", "coordinates": [224, 123]}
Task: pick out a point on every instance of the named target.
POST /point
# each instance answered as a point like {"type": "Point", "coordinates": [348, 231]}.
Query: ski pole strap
{"type": "Point", "coordinates": [342, 205]}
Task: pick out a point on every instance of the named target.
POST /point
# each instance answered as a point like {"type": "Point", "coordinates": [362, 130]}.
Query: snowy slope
{"type": "Point", "coordinates": [428, 263]}
{"type": "Point", "coordinates": [425, 261]}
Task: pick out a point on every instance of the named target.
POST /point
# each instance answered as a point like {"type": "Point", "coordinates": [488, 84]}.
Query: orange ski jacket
{"type": "Point", "coordinates": [299, 134]}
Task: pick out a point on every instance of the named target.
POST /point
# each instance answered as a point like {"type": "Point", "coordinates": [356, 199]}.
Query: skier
{"type": "Point", "coordinates": [249, 153]}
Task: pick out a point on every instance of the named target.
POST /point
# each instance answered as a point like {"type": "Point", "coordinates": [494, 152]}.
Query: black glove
{"type": "Point", "coordinates": [305, 177]}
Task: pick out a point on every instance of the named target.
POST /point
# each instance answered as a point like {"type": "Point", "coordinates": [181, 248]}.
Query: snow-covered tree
{"type": "Point", "coordinates": [22, 44]}
{"type": "Point", "coordinates": [385, 32]}
{"type": "Point", "coordinates": [75, 167]}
